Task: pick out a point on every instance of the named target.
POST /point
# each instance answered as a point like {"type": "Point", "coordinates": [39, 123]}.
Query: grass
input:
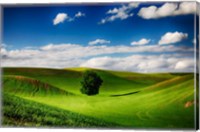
{"type": "Point", "coordinates": [69, 79]}
{"type": "Point", "coordinates": [21, 112]}
{"type": "Point", "coordinates": [30, 87]}
{"type": "Point", "coordinates": [128, 100]}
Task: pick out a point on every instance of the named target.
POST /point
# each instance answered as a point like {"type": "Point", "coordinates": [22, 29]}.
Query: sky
{"type": "Point", "coordinates": [138, 37]}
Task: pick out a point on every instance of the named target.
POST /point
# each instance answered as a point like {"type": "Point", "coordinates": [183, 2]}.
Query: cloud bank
{"type": "Point", "coordinates": [128, 58]}
{"type": "Point", "coordinates": [142, 63]}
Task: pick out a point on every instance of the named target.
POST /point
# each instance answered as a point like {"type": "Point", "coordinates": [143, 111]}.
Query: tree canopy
{"type": "Point", "coordinates": [91, 83]}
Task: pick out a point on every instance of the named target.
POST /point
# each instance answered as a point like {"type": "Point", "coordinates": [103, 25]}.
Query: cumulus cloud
{"type": "Point", "coordinates": [99, 56]}
{"type": "Point", "coordinates": [167, 9]}
{"type": "Point", "coordinates": [120, 13]}
{"type": "Point", "coordinates": [60, 18]}
{"type": "Point", "coordinates": [99, 41]}
{"type": "Point", "coordinates": [142, 41]}
{"type": "Point", "coordinates": [172, 37]}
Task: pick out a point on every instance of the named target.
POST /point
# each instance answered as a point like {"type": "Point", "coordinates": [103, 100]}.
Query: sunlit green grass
{"type": "Point", "coordinates": [20, 112]}
{"type": "Point", "coordinates": [160, 102]}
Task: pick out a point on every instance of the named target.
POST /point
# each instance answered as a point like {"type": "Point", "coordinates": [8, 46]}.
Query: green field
{"type": "Point", "coordinates": [39, 97]}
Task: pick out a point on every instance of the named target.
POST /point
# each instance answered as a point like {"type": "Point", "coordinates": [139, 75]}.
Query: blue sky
{"type": "Point", "coordinates": [147, 29]}
{"type": "Point", "coordinates": [34, 26]}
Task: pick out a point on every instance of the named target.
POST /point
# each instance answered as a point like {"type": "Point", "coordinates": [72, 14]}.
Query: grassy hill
{"type": "Point", "coordinates": [69, 79]}
{"type": "Point", "coordinates": [126, 99]}
{"type": "Point", "coordinates": [16, 84]}
{"type": "Point", "coordinates": [21, 112]}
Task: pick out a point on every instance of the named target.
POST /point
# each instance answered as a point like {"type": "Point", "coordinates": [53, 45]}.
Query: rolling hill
{"type": "Point", "coordinates": [126, 99]}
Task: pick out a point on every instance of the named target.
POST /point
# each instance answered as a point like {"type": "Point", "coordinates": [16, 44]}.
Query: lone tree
{"type": "Point", "coordinates": [90, 83]}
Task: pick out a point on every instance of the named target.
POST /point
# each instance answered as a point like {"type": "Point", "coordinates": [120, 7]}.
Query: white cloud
{"type": "Point", "coordinates": [174, 37]}
{"type": "Point", "coordinates": [184, 64]}
{"type": "Point", "coordinates": [101, 62]}
{"type": "Point", "coordinates": [74, 55]}
{"type": "Point", "coordinates": [121, 13]}
{"type": "Point", "coordinates": [58, 47]}
{"type": "Point", "coordinates": [167, 9]}
{"type": "Point", "coordinates": [99, 41]}
{"type": "Point", "coordinates": [186, 8]}
{"type": "Point", "coordinates": [79, 14]}
{"type": "Point", "coordinates": [142, 41]}
{"type": "Point", "coordinates": [143, 63]}
{"type": "Point", "coordinates": [60, 18]}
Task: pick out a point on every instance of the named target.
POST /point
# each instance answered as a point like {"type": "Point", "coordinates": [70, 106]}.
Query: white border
{"type": "Point", "coordinates": [14, 2]}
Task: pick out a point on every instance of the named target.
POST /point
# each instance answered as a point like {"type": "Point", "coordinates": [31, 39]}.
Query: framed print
{"type": "Point", "coordinates": [130, 65]}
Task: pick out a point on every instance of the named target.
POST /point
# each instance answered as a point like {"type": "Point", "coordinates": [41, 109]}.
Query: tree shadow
{"type": "Point", "coordinates": [115, 95]}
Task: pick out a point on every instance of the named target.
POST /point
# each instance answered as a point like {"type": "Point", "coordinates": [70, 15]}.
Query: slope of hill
{"type": "Point", "coordinates": [31, 87]}
{"type": "Point", "coordinates": [160, 108]}
{"type": "Point", "coordinates": [69, 79]}
{"type": "Point", "coordinates": [131, 100]}
{"type": "Point", "coordinates": [20, 112]}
